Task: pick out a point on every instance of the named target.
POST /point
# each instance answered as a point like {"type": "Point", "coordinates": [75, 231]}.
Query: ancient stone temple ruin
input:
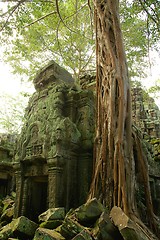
{"type": "Point", "coordinates": [145, 113]}
{"type": "Point", "coordinates": [53, 162]}
{"type": "Point", "coordinates": [7, 143]}
{"type": "Point", "coordinates": [51, 165]}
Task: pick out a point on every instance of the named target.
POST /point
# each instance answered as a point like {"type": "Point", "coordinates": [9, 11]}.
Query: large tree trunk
{"type": "Point", "coordinates": [114, 176]}
{"type": "Point", "coordinates": [113, 136]}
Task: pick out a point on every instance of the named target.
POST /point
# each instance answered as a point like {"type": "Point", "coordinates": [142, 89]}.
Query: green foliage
{"type": "Point", "coordinates": [154, 91]}
{"type": "Point", "coordinates": [12, 112]}
{"type": "Point", "coordinates": [152, 10]}
{"type": "Point", "coordinates": [69, 41]}
{"type": "Point", "coordinates": [35, 32]}
{"type": "Point", "coordinates": [140, 37]}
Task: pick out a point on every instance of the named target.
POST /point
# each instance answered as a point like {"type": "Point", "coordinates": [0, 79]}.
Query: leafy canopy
{"type": "Point", "coordinates": [12, 112]}
{"type": "Point", "coordinates": [43, 31]}
{"type": "Point", "coordinates": [37, 31]}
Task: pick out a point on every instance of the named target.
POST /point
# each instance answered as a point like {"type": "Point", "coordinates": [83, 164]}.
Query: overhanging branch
{"type": "Point", "coordinates": [11, 12]}
{"type": "Point", "coordinates": [39, 19]}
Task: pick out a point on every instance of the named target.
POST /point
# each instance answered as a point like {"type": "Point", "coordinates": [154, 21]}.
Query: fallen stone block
{"type": "Point", "coordinates": [13, 239]}
{"type": "Point", "coordinates": [128, 229]}
{"type": "Point", "coordinates": [19, 227]}
{"type": "Point", "coordinates": [7, 203]}
{"type": "Point", "coordinates": [70, 228]}
{"type": "Point", "coordinates": [46, 234]}
{"type": "Point", "coordinates": [90, 211]}
{"type": "Point", "coordinates": [84, 235]}
{"type": "Point", "coordinates": [105, 229]}
{"type": "Point", "coordinates": [6, 232]}
{"type": "Point", "coordinates": [52, 214]}
{"type": "Point", "coordinates": [7, 214]}
{"type": "Point", "coordinates": [51, 224]}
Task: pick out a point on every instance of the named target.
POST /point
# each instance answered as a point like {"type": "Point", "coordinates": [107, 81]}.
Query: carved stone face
{"type": "Point", "coordinates": [58, 134]}
{"type": "Point", "coordinates": [34, 135]}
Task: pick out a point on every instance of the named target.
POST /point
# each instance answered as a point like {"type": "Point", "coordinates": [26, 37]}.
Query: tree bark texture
{"type": "Point", "coordinates": [114, 177]}
{"type": "Point", "coordinates": [113, 135]}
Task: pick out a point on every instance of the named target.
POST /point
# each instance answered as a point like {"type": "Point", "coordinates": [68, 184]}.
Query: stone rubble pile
{"type": "Point", "coordinates": [91, 221]}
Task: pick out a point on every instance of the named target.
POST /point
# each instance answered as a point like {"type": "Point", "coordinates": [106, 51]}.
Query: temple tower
{"type": "Point", "coordinates": [53, 163]}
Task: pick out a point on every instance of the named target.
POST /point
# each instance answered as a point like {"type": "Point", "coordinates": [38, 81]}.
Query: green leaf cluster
{"type": "Point", "coordinates": [64, 34]}
{"type": "Point", "coordinates": [140, 37]}
{"type": "Point", "coordinates": [12, 112]}
{"type": "Point", "coordinates": [38, 31]}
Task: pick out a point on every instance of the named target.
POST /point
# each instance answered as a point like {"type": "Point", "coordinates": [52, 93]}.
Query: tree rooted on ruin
{"type": "Point", "coordinates": [116, 142]}
{"type": "Point", "coordinates": [114, 178]}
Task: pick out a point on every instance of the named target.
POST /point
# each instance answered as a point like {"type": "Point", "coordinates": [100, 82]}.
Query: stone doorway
{"type": "Point", "coordinates": [3, 187]}
{"type": "Point", "coordinates": [38, 197]}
